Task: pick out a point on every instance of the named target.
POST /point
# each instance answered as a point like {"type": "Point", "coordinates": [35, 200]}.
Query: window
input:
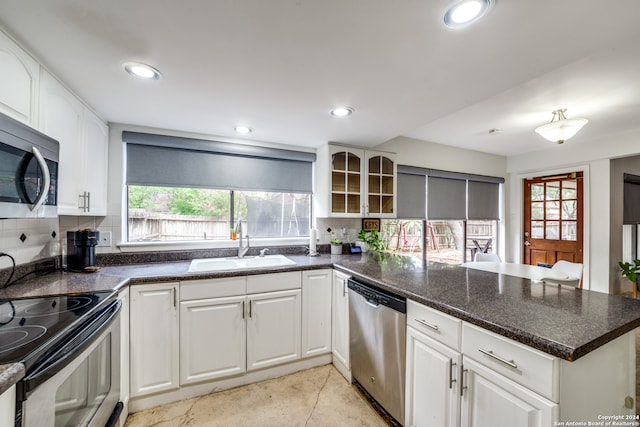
{"type": "Point", "coordinates": [190, 189]}
{"type": "Point", "coordinates": [463, 212]}
{"type": "Point", "coordinates": [181, 214]}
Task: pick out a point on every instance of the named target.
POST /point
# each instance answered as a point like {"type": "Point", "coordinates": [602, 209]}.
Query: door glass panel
{"type": "Point", "coordinates": [340, 161]}
{"type": "Point", "coordinates": [553, 210]}
{"type": "Point", "coordinates": [374, 184]}
{"type": "Point", "coordinates": [569, 190]}
{"type": "Point", "coordinates": [353, 203]}
{"type": "Point", "coordinates": [338, 204]}
{"type": "Point", "coordinates": [569, 210]}
{"type": "Point", "coordinates": [374, 164]}
{"type": "Point", "coordinates": [387, 184]}
{"type": "Point", "coordinates": [374, 204]}
{"type": "Point", "coordinates": [537, 210]}
{"type": "Point", "coordinates": [353, 185]}
{"type": "Point", "coordinates": [387, 204]}
{"type": "Point", "coordinates": [338, 181]}
{"type": "Point", "coordinates": [537, 229]}
{"type": "Point", "coordinates": [537, 192]}
{"type": "Point", "coordinates": [354, 163]}
{"type": "Point", "coordinates": [552, 230]}
{"type": "Point", "coordinates": [569, 230]}
{"type": "Point", "coordinates": [553, 190]}
{"type": "Point", "coordinates": [387, 166]}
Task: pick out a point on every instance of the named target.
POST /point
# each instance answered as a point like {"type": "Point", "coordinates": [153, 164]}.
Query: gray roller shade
{"type": "Point", "coordinates": [446, 198]}
{"type": "Point", "coordinates": [157, 160]}
{"type": "Point", "coordinates": [483, 200]}
{"type": "Point", "coordinates": [412, 194]}
{"type": "Point", "coordinates": [631, 212]}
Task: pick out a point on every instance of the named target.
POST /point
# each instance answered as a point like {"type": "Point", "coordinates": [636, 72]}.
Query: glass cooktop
{"type": "Point", "coordinates": [30, 327]}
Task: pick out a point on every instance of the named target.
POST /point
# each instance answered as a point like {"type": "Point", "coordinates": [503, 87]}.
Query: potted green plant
{"type": "Point", "coordinates": [336, 247]}
{"type": "Point", "coordinates": [371, 240]}
{"type": "Point", "coordinates": [630, 271]}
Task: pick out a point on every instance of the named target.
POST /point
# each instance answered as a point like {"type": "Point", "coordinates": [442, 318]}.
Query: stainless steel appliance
{"type": "Point", "coordinates": [81, 250]}
{"type": "Point", "coordinates": [377, 321]}
{"type": "Point", "coordinates": [70, 346]}
{"type": "Point", "coordinates": [28, 171]}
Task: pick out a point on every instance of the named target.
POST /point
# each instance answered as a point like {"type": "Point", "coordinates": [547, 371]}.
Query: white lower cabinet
{"type": "Point", "coordinates": [212, 338]}
{"type": "Point", "coordinates": [498, 382]}
{"type": "Point", "coordinates": [452, 381]}
{"type": "Point", "coordinates": [340, 324]}
{"type": "Point", "coordinates": [491, 400]}
{"type": "Point", "coordinates": [273, 328]}
{"type": "Point", "coordinates": [432, 393]}
{"type": "Point", "coordinates": [316, 312]}
{"type": "Point", "coordinates": [8, 407]}
{"type": "Point", "coordinates": [153, 338]}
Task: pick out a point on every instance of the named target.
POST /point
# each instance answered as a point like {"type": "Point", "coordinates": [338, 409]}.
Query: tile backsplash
{"type": "Point", "coordinates": [40, 239]}
{"type": "Point", "coordinates": [46, 237]}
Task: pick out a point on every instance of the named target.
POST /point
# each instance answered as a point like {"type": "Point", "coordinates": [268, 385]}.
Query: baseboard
{"type": "Point", "coordinates": [138, 404]}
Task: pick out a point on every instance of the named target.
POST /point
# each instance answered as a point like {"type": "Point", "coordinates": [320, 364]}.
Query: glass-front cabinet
{"type": "Point", "coordinates": [361, 183]}
{"type": "Point", "coordinates": [381, 185]}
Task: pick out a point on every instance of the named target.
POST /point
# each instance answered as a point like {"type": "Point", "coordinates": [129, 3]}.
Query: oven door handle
{"type": "Point", "coordinates": [59, 359]}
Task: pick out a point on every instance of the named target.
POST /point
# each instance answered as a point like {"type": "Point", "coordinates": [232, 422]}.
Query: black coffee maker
{"type": "Point", "coordinates": [81, 250]}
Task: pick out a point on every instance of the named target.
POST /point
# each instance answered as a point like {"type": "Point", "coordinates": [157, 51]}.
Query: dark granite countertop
{"type": "Point", "coordinates": [564, 322]}
{"type": "Point", "coordinates": [10, 374]}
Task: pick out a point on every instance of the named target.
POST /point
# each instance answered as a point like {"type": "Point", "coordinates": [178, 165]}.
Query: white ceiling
{"type": "Point", "coordinates": [281, 65]}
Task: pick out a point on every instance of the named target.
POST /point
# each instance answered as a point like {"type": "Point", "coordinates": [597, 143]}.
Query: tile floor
{"type": "Point", "coordinates": [316, 397]}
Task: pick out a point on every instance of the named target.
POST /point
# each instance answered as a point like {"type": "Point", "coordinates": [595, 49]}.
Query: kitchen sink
{"type": "Point", "coordinates": [231, 264]}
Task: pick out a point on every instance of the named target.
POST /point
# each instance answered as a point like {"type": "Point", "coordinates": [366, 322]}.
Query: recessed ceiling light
{"type": "Point", "coordinates": [342, 111]}
{"type": "Point", "coordinates": [242, 129]}
{"type": "Point", "coordinates": [142, 71]}
{"type": "Point", "coordinates": [463, 13]}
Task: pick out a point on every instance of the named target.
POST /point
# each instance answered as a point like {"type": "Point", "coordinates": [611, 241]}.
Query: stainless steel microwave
{"type": "Point", "coordinates": [28, 171]}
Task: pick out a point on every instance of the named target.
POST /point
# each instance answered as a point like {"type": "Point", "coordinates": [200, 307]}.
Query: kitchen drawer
{"type": "Point", "coordinates": [439, 326]}
{"type": "Point", "coordinates": [531, 368]}
{"type": "Point", "coordinates": [274, 282]}
{"type": "Point", "coordinates": [212, 288]}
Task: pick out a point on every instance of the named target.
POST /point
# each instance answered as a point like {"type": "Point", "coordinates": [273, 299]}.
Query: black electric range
{"type": "Point", "coordinates": [32, 328]}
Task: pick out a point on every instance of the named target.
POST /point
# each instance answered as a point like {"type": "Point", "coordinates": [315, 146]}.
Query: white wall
{"type": "Point", "coordinates": [594, 159]}
{"type": "Point", "coordinates": [415, 152]}
{"type": "Point", "coordinates": [424, 154]}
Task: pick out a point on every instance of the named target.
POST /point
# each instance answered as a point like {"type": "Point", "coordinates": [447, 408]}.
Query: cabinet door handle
{"type": "Point", "coordinates": [491, 354]}
{"type": "Point", "coordinates": [427, 324]}
{"type": "Point", "coordinates": [250, 309]}
{"type": "Point", "coordinates": [243, 309]}
{"type": "Point", "coordinates": [464, 387]}
{"type": "Point", "coordinates": [173, 293]}
{"type": "Point", "coordinates": [451, 380]}
{"type": "Point", "coordinates": [344, 288]}
{"type": "Point", "coordinates": [88, 209]}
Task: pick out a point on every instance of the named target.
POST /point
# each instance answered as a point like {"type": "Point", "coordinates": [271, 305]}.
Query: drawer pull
{"type": "Point", "coordinates": [490, 353]}
{"type": "Point", "coordinates": [427, 324]}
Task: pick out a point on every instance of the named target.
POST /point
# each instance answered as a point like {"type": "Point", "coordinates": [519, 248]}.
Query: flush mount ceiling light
{"type": "Point", "coordinates": [141, 71]}
{"type": "Point", "coordinates": [244, 129]}
{"type": "Point", "coordinates": [342, 111]}
{"type": "Point", "coordinates": [560, 128]}
{"type": "Point", "coordinates": [463, 13]}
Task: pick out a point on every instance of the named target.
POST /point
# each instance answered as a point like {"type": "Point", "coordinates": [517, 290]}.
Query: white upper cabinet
{"type": "Point", "coordinates": [83, 138]}
{"type": "Point", "coordinates": [19, 83]}
{"type": "Point", "coordinates": [351, 182]}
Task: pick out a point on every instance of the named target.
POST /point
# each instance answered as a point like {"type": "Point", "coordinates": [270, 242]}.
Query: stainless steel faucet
{"type": "Point", "coordinates": [242, 250]}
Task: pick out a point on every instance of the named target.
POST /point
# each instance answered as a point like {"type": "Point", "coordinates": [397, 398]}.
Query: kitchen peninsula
{"type": "Point", "coordinates": [557, 326]}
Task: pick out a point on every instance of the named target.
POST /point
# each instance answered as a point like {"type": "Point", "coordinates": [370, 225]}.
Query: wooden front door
{"type": "Point", "coordinates": [553, 219]}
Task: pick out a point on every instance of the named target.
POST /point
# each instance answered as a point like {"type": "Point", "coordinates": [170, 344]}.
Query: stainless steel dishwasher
{"type": "Point", "coordinates": [377, 321]}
